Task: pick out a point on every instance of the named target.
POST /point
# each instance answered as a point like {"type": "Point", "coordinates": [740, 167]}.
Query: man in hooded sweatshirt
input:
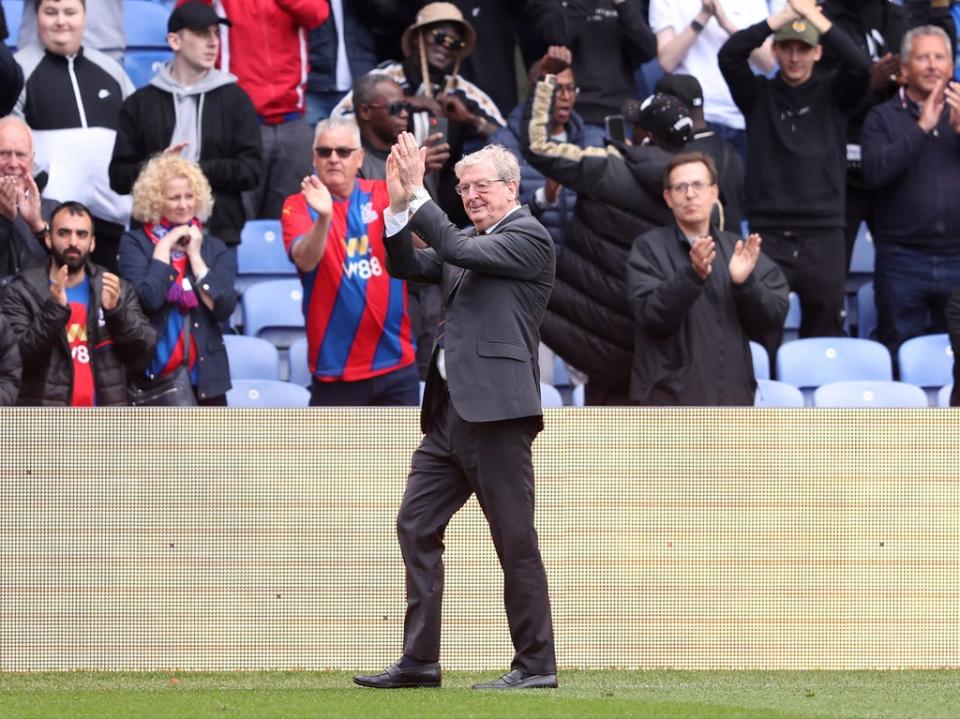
{"type": "Point", "coordinates": [201, 113]}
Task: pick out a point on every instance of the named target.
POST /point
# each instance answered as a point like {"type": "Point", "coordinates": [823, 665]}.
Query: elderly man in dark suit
{"type": "Point", "coordinates": [481, 407]}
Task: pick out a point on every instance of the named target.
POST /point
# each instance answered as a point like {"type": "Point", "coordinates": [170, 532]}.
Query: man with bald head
{"type": "Point", "coordinates": [23, 214]}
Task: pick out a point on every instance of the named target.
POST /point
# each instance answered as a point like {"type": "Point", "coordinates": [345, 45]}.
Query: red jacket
{"type": "Point", "coordinates": [266, 48]}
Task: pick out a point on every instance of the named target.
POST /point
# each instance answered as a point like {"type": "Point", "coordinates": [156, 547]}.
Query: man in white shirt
{"type": "Point", "coordinates": [690, 33]}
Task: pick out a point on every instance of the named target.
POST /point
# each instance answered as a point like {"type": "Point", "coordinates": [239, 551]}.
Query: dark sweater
{"type": "Point", "coordinates": [796, 136]}
{"type": "Point", "coordinates": [916, 177]}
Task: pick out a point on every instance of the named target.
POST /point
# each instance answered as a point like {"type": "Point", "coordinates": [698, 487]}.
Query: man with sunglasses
{"type": "Point", "coordinates": [697, 295]}
{"type": "Point", "coordinates": [433, 47]}
{"type": "Point", "coordinates": [359, 346]}
{"type": "Point", "coordinates": [481, 405]}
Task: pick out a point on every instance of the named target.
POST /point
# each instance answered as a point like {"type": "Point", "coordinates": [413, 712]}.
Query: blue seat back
{"type": "Point", "coordinates": [265, 393]}
{"type": "Point", "coordinates": [273, 310]}
{"type": "Point", "coordinates": [252, 358]}
{"type": "Point", "coordinates": [815, 361]}
{"type": "Point", "coordinates": [143, 65]}
{"type": "Point", "coordinates": [771, 393]}
{"type": "Point", "coordinates": [869, 394]}
{"type": "Point", "coordinates": [926, 361]}
{"type": "Point", "coordinates": [261, 250]}
{"type": "Point", "coordinates": [145, 24]}
{"type": "Point", "coordinates": [761, 360]}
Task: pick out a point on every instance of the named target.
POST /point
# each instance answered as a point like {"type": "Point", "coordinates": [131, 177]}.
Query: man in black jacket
{"type": "Point", "coordinates": [10, 368]}
{"type": "Point", "coordinates": [697, 296]}
{"type": "Point", "coordinates": [911, 156]}
{"type": "Point", "coordinates": [23, 212]}
{"type": "Point", "coordinates": [619, 196]}
{"type": "Point", "coordinates": [79, 328]}
{"type": "Point", "coordinates": [796, 154]}
{"type": "Point", "coordinates": [199, 112]}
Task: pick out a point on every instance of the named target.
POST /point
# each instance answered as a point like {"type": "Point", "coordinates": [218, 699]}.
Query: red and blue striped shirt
{"type": "Point", "coordinates": [356, 313]}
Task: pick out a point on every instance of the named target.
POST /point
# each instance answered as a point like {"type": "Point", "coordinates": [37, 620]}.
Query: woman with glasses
{"type": "Point", "coordinates": [183, 276]}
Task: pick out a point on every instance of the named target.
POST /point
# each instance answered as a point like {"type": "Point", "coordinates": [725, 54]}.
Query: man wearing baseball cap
{"type": "Point", "coordinates": [687, 89]}
{"type": "Point", "coordinates": [796, 153]}
{"type": "Point", "coordinates": [194, 110]}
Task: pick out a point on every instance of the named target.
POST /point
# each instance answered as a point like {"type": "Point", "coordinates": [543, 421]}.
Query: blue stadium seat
{"type": "Point", "coordinates": [550, 396]}
{"type": "Point", "coordinates": [791, 324]}
{"type": "Point", "coordinates": [13, 13]}
{"type": "Point", "coordinates": [273, 310]}
{"type": "Point", "coordinates": [761, 360]}
{"type": "Point", "coordinates": [869, 394]}
{"type": "Point", "coordinates": [261, 254]}
{"type": "Point", "coordinates": [142, 65]}
{"type": "Point", "coordinates": [578, 396]}
{"type": "Point", "coordinates": [252, 358]}
{"type": "Point", "coordinates": [299, 369]}
{"type": "Point", "coordinates": [814, 361]}
{"type": "Point", "coordinates": [866, 312]}
{"type": "Point", "coordinates": [771, 393]}
{"type": "Point", "coordinates": [943, 396]}
{"type": "Point", "coordinates": [265, 393]}
{"type": "Point", "coordinates": [862, 259]}
{"type": "Point", "coordinates": [926, 361]}
{"type": "Point", "coordinates": [145, 24]}
{"type": "Point", "coordinates": [651, 72]}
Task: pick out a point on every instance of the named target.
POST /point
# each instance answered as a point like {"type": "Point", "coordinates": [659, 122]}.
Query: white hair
{"type": "Point", "coordinates": [504, 162]}
{"type": "Point", "coordinates": [907, 46]}
{"type": "Point", "coordinates": [338, 123]}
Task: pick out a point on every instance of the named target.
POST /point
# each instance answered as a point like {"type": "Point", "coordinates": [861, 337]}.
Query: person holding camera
{"type": "Point", "coordinates": [183, 277]}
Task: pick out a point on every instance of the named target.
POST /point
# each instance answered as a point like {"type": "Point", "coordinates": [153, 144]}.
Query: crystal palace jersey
{"type": "Point", "coordinates": [356, 313]}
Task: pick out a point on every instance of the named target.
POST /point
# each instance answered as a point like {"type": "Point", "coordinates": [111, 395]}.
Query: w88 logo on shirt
{"type": "Point", "coordinates": [359, 262]}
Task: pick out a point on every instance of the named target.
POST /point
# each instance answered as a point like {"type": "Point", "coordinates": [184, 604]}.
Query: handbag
{"type": "Point", "coordinates": [174, 390]}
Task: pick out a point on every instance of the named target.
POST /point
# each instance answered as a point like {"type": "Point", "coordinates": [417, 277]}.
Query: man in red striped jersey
{"type": "Point", "coordinates": [360, 350]}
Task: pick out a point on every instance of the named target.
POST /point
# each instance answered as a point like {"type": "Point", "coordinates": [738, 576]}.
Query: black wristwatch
{"type": "Point", "coordinates": [696, 25]}
{"type": "Point", "coordinates": [42, 232]}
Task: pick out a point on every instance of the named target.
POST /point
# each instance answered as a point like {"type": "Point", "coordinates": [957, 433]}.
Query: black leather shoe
{"type": "Point", "coordinates": [517, 679]}
{"type": "Point", "coordinates": [397, 677]}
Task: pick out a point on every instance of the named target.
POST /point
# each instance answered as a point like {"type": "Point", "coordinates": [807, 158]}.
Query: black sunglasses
{"type": "Point", "coordinates": [448, 40]}
{"type": "Point", "coordinates": [342, 152]}
{"type": "Point", "coordinates": [392, 108]}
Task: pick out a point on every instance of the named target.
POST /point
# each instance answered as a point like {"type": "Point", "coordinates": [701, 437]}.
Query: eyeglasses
{"type": "Point", "coordinates": [482, 187]}
{"type": "Point", "coordinates": [342, 152]}
{"type": "Point", "coordinates": [567, 90]}
{"type": "Point", "coordinates": [392, 108]}
{"type": "Point", "coordinates": [681, 188]}
{"type": "Point", "coordinates": [447, 39]}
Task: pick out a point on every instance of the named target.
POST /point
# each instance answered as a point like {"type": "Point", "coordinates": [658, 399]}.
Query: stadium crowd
{"type": "Point", "coordinates": [694, 161]}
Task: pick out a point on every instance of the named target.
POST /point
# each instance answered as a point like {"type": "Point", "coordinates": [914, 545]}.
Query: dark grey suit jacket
{"type": "Point", "coordinates": [495, 291]}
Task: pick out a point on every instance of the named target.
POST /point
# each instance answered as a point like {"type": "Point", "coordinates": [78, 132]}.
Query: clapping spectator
{"type": "Point", "coordinates": [23, 212]}
{"type": "Point", "coordinates": [911, 156]}
{"type": "Point", "coordinates": [80, 329]}
{"type": "Point", "coordinates": [183, 276]}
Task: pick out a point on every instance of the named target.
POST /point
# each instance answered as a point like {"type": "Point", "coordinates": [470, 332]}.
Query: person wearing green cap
{"type": "Point", "coordinates": [796, 153]}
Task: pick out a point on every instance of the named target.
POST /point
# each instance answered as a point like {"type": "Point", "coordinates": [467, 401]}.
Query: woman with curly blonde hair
{"type": "Point", "coordinates": [183, 278]}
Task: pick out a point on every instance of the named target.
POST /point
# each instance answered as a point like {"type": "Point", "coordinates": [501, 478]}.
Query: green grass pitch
{"type": "Point", "coordinates": [662, 694]}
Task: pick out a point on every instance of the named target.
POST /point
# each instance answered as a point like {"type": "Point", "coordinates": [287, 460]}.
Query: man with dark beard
{"type": "Point", "coordinates": [79, 328]}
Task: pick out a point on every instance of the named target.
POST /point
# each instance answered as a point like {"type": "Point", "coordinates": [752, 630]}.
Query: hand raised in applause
{"type": "Point", "coordinates": [557, 59]}
{"type": "Point", "coordinates": [58, 285]}
{"type": "Point", "coordinates": [317, 195]}
{"type": "Point", "coordinates": [702, 255]}
{"type": "Point", "coordinates": [410, 162]}
{"type": "Point", "coordinates": [110, 294]}
{"type": "Point", "coordinates": [744, 259]}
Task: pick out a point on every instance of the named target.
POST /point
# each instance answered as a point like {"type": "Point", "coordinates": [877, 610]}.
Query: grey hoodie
{"type": "Point", "coordinates": [188, 105]}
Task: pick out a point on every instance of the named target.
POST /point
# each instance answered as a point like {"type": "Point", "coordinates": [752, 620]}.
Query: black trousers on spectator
{"type": "Point", "coordinates": [953, 328]}
{"type": "Point", "coordinates": [492, 460]}
{"type": "Point", "coordinates": [814, 263]}
{"type": "Point", "coordinates": [859, 209]}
